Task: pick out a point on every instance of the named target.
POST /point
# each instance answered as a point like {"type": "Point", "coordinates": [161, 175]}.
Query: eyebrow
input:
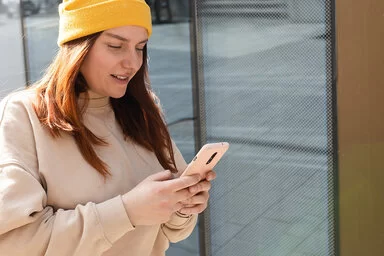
{"type": "Point", "coordinates": [122, 38]}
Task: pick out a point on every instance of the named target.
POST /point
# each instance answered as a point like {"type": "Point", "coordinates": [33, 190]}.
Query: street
{"type": "Point", "coordinates": [265, 93]}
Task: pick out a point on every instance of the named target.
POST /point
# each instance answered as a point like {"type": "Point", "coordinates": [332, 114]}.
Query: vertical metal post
{"type": "Point", "coordinates": [198, 94]}
{"type": "Point", "coordinates": [24, 42]}
{"type": "Point", "coordinates": [332, 152]}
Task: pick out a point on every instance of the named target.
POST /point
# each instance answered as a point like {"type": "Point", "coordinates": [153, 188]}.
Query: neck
{"type": "Point", "coordinates": [95, 100]}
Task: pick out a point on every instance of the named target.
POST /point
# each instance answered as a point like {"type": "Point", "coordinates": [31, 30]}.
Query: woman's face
{"type": "Point", "coordinates": [114, 59]}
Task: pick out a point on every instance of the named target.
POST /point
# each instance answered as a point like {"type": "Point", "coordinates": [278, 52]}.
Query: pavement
{"type": "Point", "coordinates": [265, 93]}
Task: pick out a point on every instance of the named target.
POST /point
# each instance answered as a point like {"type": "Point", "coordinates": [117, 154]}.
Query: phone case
{"type": "Point", "coordinates": [206, 159]}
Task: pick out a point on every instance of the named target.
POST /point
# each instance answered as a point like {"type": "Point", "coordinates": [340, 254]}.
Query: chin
{"type": "Point", "coordinates": [117, 95]}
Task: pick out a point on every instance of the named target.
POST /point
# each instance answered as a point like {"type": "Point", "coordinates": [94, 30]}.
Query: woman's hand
{"type": "Point", "coordinates": [158, 196]}
{"type": "Point", "coordinates": [198, 202]}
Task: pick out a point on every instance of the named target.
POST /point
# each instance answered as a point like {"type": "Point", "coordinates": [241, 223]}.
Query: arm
{"type": "Point", "coordinates": [179, 227]}
{"type": "Point", "coordinates": [28, 226]}
{"type": "Point", "coordinates": [25, 219]}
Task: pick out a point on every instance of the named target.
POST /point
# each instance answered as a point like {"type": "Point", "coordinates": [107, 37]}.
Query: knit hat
{"type": "Point", "coordinates": [80, 18]}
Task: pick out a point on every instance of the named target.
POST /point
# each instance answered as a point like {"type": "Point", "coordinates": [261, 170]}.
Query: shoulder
{"type": "Point", "coordinates": [23, 96]}
{"type": "Point", "coordinates": [17, 133]}
{"type": "Point", "coordinates": [17, 104]}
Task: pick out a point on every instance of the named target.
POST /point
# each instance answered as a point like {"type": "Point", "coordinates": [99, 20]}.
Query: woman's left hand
{"type": "Point", "coordinates": [199, 201]}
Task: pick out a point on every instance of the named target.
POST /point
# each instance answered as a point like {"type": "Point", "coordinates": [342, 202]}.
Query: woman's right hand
{"type": "Point", "coordinates": [154, 199]}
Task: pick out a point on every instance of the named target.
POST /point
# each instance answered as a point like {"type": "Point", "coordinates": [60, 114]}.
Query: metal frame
{"type": "Point", "coordinates": [330, 37]}
{"type": "Point", "coordinates": [25, 46]}
{"type": "Point", "coordinates": [198, 94]}
{"type": "Point", "coordinates": [200, 124]}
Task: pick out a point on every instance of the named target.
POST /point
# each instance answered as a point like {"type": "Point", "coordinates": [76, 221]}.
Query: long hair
{"type": "Point", "coordinates": [140, 118]}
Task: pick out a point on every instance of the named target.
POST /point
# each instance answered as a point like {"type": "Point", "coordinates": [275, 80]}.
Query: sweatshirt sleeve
{"type": "Point", "coordinates": [28, 226]}
{"type": "Point", "coordinates": [180, 226]}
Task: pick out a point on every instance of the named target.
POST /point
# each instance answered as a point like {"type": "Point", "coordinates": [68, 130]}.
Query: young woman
{"type": "Point", "coordinates": [87, 166]}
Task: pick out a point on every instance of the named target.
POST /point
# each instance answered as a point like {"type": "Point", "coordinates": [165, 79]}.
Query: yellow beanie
{"type": "Point", "coordinates": [80, 18]}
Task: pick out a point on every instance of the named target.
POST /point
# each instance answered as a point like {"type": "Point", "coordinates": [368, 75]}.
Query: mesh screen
{"type": "Point", "coordinates": [267, 90]}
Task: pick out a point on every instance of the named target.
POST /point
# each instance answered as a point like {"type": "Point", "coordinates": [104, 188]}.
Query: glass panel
{"type": "Point", "coordinates": [170, 72]}
{"type": "Point", "coordinates": [12, 74]}
{"type": "Point", "coordinates": [267, 89]}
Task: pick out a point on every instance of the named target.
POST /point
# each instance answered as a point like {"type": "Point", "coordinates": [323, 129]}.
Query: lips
{"type": "Point", "coordinates": [122, 78]}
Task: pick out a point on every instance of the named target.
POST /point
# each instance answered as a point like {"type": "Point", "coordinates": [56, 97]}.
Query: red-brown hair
{"type": "Point", "coordinates": [140, 118]}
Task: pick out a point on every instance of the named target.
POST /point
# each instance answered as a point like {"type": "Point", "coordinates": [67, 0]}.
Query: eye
{"type": "Point", "coordinates": [140, 49]}
{"type": "Point", "coordinates": [114, 46]}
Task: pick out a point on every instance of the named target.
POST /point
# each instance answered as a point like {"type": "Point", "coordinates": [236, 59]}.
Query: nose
{"type": "Point", "coordinates": [132, 60]}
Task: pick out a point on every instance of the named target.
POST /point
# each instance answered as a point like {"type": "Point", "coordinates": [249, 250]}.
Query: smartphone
{"type": "Point", "coordinates": [207, 157]}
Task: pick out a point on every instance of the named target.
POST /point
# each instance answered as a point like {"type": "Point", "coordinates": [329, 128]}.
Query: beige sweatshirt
{"type": "Point", "coordinates": [52, 202]}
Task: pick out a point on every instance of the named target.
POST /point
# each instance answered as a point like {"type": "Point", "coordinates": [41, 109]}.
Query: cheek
{"type": "Point", "coordinates": [139, 62]}
{"type": "Point", "coordinates": [96, 69]}
{"type": "Point", "coordinates": [90, 67]}
{"type": "Point", "coordinates": [102, 63]}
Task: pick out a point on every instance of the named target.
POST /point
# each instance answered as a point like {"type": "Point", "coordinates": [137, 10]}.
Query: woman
{"type": "Point", "coordinates": [86, 161]}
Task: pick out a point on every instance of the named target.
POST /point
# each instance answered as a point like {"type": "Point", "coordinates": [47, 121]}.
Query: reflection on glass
{"type": "Point", "coordinates": [266, 65]}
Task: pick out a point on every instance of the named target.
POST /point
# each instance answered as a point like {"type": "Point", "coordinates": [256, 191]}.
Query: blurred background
{"type": "Point", "coordinates": [259, 74]}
